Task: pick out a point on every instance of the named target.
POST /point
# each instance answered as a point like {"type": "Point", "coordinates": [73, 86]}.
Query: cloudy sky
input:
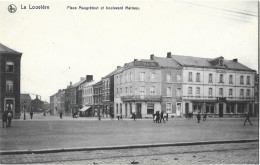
{"type": "Point", "coordinates": [61, 45]}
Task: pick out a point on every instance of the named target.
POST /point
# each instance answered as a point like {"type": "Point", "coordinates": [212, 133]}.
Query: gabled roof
{"type": "Point", "coordinates": [5, 49]}
{"type": "Point", "coordinates": [79, 83]}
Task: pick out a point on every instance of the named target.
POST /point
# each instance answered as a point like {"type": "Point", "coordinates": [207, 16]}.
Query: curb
{"type": "Point", "coordinates": [43, 151]}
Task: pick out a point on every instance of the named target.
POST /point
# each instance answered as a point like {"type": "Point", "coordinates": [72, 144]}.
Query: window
{"type": "Point", "coordinates": [126, 90]}
{"type": "Point", "coordinates": [169, 91]}
{"type": "Point", "coordinates": [9, 67]}
{"type": "Point", "coordinates": [152, 76]}
{"type": "Point", "coordinates": [168, 78]}
{"type": "Point", "coordinates": [9, 86]}
{"type": "Point", "coordinates": [121, 91]}
{"type": "Point", "coordinates": [178, 92]}
{"type": "Point", "coordinates": [142, 74]}
{"type": "Point", "coordinates": [248, 93]}
{"type": "Point", "coordinates": [198, 91]}
{"type": "Point", "coordinates": [120, 108]}
{"type": "Point", "coordinates": [241, 108]}
{"type": "Point", "coordinates": [241, 79]}
{"type": "Point", "coordinates": [121, 79]}
{"type": "Point", "coordinates": [152, 90]}
{"type": "Point", "coordinates": [150, 108]}
{"type": "Point", "coordinates": [168, 107]}
{"type": "Point", "coordinates": [210, 92]}
{"type": "Point", "coordinates": [117, 108]}
{"type": "Point", "coordinates": [130, 89]}
{"type": "Point", "coordinates": [209, 108]}
{"type": "Point", "coordinates": [198, 77]}
{"type": "Point", "coordinates": [126, 77]}
{"type": "Point", "coordinates": [130, 108]}
{"type": "Point", "coordinates": [178, 78]}
{"type": "Point", "coordinates": [210, 78]}
{"type": "Point", "coordinates": [118, 81]}
{"type": "Point", "coordinates": [221, 79]}
{"type": "Point", "coordinates": [190, 77]}
{"type": "Point", "coordinates": [230, 92]}
{"type": "Point", "coordinates": [131, 77]}
{"type": "Point", "coordinates": [241, 92]}
{"type": "Point", "coordinates": [190, 90]}
{"type": "Point", "coordinates": [230, 79]}
{"type": "Point", "coordinates": [248, 80]}
{"type": "Point", "coordinates": [142, 90]}
{"type": "Point", "coordinates": [220, 91]}
{"type": "Point", "coordinates": [230, 108]}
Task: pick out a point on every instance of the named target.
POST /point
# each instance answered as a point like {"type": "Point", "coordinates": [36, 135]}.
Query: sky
{"type": "Point", "coordinates": [60, 45]}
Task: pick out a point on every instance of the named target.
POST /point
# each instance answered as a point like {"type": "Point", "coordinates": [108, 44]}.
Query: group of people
{"type": "Point", "coordinates": [158, 117]}
{"type": "Point", "coordinates": [204, 115]}
{"type": "Point", "coordinates": [7, 118]}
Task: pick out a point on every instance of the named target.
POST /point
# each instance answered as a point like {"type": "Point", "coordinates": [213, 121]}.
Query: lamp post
{"type": "Point", "coordinates": [24, 117]}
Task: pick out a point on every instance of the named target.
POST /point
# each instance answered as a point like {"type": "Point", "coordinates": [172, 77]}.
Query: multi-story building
{"type": "Point", "coordinates": [256, 113]}
{"type": "Point", "coordinates": [52, 104]}
{"type": "Point", "coordinates": [37, 105]}
{"type": "Point", "coordinates": [171, 84]}
{"type": "Point", "coordinates": [25, 102]}
{"type": "Point", "coordinates": [137, 88]}
{"type": "Point", "coordinates": [108, 92]}
{"type": "Point", "coordinates": [10, 61]}
{"type": "Point", "coordinates": [87, 99]}
{"type": "Point", "coordinates": [97, 99]}
{"type": "Point", "coordinates": [216, 86]}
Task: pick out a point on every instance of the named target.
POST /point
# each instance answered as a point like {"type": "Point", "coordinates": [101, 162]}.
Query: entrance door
{"type": "Point", "coordinates": [138, 110]}
{"type": "Point", "coordinates": [186, 108]}
{"type": "Point", "coordinates": [220, 110]}
{"type": "Point", "coordinates": [178, 109]}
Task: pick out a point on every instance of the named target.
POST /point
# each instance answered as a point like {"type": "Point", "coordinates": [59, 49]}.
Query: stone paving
{"type": "Point", "coordinates": [233, 153]}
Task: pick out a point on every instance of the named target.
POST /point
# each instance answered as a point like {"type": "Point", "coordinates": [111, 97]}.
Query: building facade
{"type": "Point", "coordinates": [216, 86]}
{"type": "Point", "coordinates": [37, 105]}
{"type": "Point", "coordinates": [88, 99]}
{"type": "Point", "coordinates": [10, 71]}
{"type": "Point", "coordinates": [97, 99]}
{"type": "Point", "coordinates": [137, 89]}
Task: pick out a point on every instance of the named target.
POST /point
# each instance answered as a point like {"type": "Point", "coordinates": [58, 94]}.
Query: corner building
{"type": "Point", "coordinates": [137, 88]}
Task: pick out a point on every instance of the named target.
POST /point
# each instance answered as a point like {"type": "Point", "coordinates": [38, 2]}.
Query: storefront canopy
{"type": "Point", "coordinates": [85, 108]}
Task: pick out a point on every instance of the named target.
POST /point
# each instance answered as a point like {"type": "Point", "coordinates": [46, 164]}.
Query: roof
{"type": "Point", "coordinates": [205, 62]}
{"type": "Point", "coordinates": [5, 49]}
{"type": "Point", "coordinates": [78, 83]}
{"type": "Point", "coordinates": [90, 83]}
{"type": "Point", "coordinates": [166, 62]}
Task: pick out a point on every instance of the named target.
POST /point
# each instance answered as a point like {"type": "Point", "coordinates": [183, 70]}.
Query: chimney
{"type": "Point", "coordinates": [82, 78]}
{"type": "Point", "coordinates": [152, 57]}
{"type": "Point", "coordinates": [169, 55]}
{"type": "Point", "coordinates": [135, 59]}
{"type": "Point", "coordinates": [235, 60]}
{"type": "Point", "coordinates": [71, 83]}
{"type": "Point", "coordinates": [59, 90]}
{"type": "Point", "coordinates": [118, 67]}
{"type": "Point", "coordinates": [89, 78]}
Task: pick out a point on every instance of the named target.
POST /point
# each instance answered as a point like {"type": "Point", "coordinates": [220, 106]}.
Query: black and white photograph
{"type": "Point", "coordinates": [155, 82]}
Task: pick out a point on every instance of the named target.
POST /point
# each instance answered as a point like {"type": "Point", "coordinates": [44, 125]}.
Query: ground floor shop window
{"type": "Point", "coordinates": [150, 108]}
{"type": "Point", "coordinates": [131, 108]}
{"type": "Point", "coordinates": [116, 108]}
{"type": "Point", "coordinates": [196, 107]}
{"type": "Point", "coordinates": [209, 108]}
{"type": "Point", "coordinates": [230, 108]}
{"type": "Point", "coordinates": [168, 107]}
{"type": "Point", "coordinates": [241, 108]}
{"type": "Point", "coordinates": [120, 108]}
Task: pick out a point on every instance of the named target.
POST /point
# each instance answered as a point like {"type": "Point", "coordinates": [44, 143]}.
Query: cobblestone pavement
{"type": "Point", "coordinates": [233, 153]}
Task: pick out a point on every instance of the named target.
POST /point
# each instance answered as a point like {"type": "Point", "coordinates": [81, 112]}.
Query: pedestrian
{"type": "Point", "coordinates": [198, 117]}
{"type": "Point", "coordinates": [112, 116]}
{"type": "Point", "coordinates": [162, 117]}
{"type": "Point", "coordinates": [204, 116]}
{"type": "Point", "coordinates": [157, 116]}
{"type": "Point", "coordinates": [247, 118]}
{"type": "Point", "coordinates": [4, 119]}
{"type": "Point", "coordinates": [60, 114]}
{"type": "Point", "coordinates": [133, 116]}
{"type": "Point", "coordinates": [167, 115]}
{"type": "Point", "coordinates": [31, 114]}
{"type": "Point", "coordinates": [154, 117]}
{"type": "Point", "coordinates": [9, 119]}
{"type": "Point", "coordinates": [117, 115]}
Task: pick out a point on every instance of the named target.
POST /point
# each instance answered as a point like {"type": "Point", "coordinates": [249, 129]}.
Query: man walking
{"type": "Point", "coordinates": [60, 114]}
{"type": "Point", "coordinates": [198, 117]}
{"type": "Point", "coordinates": [31, 114]}
{"type": "Point", "coordinates": [162, 117]}
{"type": "Point", "coordinates": [247, 118]}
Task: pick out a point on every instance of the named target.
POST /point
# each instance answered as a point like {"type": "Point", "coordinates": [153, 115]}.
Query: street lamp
{"type": "Point", "coordinates": [24, 117]}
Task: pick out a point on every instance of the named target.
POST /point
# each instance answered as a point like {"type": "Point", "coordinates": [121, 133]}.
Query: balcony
{"type": "Point", "coordinates": [146, 98]}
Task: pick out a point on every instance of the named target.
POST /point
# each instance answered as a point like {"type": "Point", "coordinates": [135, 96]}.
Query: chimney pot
{"type": "Point", "coordinates": [235, 60]}
{"type": "Point", "coordinates": [135, 59]}
{"type": "Point", "coordinates": [71, 83]}
{"type": "Point", "coordinates": [169, 55]}
{"type": "Point", "coordinates": [118, 67]}
{"type": "Point", "coordinates": [152, 57]}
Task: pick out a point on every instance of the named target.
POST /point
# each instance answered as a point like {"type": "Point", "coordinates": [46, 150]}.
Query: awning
{"type": "Point", "coordinates": [85, 108]}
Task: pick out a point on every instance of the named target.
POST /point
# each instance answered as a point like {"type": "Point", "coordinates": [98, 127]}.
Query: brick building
{"type": "Point", "coordinates": [97, 99]}
{"type": "Point", "coordinates": [10, 71]}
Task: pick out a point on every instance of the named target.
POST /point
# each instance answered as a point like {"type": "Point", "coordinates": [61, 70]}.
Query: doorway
{"type": "Point", "coordinates": [221, 110]}
{"type": "Point", "coordinates": [138, 110]}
